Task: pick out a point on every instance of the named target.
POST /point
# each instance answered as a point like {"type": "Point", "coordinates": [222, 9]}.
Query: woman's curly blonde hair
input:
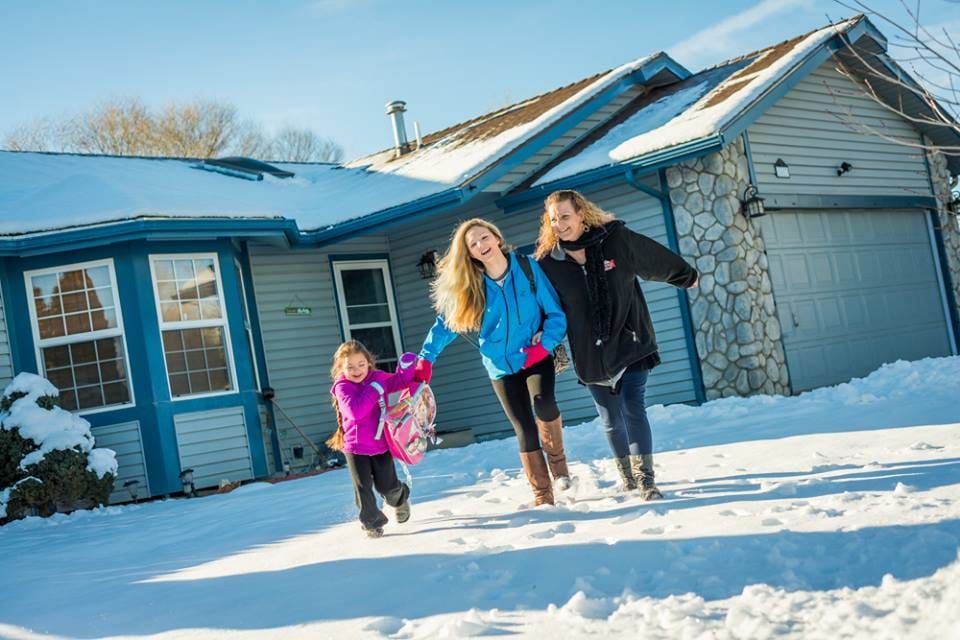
{"type": "Point", "coordinates": [593, 216]}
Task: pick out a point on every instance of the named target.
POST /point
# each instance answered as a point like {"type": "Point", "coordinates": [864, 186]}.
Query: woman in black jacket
{"type": "Point", "coordinates": [593, 261]}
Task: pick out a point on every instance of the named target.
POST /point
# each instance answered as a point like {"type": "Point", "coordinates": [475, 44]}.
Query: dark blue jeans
{"type": "Point", "coordinates": [624, 415]}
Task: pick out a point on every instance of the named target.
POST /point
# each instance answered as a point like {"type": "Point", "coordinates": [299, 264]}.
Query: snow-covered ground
{"type": "Point", "coordinates": [834, 514]}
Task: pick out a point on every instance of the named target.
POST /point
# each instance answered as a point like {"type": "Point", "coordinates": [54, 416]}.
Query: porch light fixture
{"type": "Point", "coordinates": [186, 478]}
{"type": "Point", "coordinates": [844, 167]}
{"type": "Point", "coordinates": [752, 204]}
{"type": "Point", "coordinates": [132, 488]}
{"type": "Point", "coordinates": [427, 266]}
{"type": "Point", "coordinates": [781, 169]}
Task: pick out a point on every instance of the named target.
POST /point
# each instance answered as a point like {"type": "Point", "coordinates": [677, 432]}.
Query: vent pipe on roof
{"type": "Point", "coordinates": [416, 134]}
{"type": "Point", "coordinates": [395, 110]}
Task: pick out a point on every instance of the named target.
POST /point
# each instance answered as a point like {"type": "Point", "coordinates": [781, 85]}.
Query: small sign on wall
{"type": "Point", "coordinates": [298, 311]}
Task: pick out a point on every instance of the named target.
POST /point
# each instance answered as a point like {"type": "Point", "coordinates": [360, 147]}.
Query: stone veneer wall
{"type": "Point", "coordinates": [734, 316]}
{"type": "Point", "coordinates": [949, 223]}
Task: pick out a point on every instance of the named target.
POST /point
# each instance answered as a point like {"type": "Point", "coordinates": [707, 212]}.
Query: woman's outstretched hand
{"type": "Point", "coordinates": [423, 371]}
{"type": "Point", "coordinates": [535, 354]}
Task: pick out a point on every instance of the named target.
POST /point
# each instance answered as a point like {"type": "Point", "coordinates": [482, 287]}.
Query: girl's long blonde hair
{"type": "Point", "coordinates": [340, 356]}
{"type": "Point", "coordinates": [593, 216]}
{"type": "Point", "coordinates": [458, 290]}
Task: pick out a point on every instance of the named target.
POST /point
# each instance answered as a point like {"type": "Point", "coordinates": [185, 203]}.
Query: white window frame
{"type": "Point", "coordinates": [339, 266]}
{"type": "Point", "coordinates": [224, 322]}
{"type": "Point", "coordinates": [39, 343]}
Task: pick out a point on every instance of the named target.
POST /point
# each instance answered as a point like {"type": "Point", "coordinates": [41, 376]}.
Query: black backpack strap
{"type": "Point", "coordinates": [527, 270]}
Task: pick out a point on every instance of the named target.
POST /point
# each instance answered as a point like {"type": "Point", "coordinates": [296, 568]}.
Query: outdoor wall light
{"type": "Point", "coordinates": [844, 168]}
{"type": "Point", "coordinates": [186, 478]}
{"type": "Point", "coordinates": [752, 203]}
{"type": "Point", "coordinates": [428, 265]}
{"type": "Point", "coordinates": [132, 487]}
{"type": "Point", "coordinates": [781, 169]}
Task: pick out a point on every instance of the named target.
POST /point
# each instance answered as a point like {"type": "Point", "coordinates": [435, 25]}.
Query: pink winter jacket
{"type": "Point", "coordinates": [360, 408]}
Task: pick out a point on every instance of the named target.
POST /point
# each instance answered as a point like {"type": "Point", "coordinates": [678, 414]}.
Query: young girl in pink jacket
{"type": "Point", "coordinates": [360, 393]}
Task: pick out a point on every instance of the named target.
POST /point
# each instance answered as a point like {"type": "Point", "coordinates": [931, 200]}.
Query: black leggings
{"type": "Point", "coordinates": [375, 472]}
{"type": "Point", "coordinates": [515, 392]}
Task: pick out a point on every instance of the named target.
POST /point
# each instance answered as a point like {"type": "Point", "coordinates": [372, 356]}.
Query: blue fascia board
{"type": "Point", "coordinates": [814, 60]}
{"type": "Point", "coordinates": [641, 165]}
{"type": "Point", "coordinates": [127, 230]}
{"type": "Point", "coordinates": [663, 62]}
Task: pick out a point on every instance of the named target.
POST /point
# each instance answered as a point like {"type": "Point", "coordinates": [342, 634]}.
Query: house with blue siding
{"type": "Point", "coordinates": [189, 309]}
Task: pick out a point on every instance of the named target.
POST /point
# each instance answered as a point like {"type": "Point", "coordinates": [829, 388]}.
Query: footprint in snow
{"type": "Point", "coordinates": [771, 522]}
{"type": "Point", "coordinates": [445, 512]}
{"type": "Point", "coordinates": [653, 531]}
{"type": "Point", "coordinates": [566, 527]}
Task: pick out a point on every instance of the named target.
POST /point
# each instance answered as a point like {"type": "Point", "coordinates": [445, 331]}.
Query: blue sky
{"type": "Point", "coordinates": [332, 65]}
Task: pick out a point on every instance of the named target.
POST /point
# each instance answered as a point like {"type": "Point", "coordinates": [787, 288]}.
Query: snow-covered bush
{"type": "Point", "coordinates": [47, 459]}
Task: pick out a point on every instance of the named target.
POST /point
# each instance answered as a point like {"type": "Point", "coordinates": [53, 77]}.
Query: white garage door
{"type": "Point", "coordinates": [853, 290]}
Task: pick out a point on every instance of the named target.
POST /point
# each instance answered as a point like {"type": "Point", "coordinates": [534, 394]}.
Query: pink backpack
{"type": "Point", "coordinates": [410, 423]}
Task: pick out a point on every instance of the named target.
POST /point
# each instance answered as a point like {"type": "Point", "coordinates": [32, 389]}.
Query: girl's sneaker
{"type": "Point", "coordinates": [376, 532]}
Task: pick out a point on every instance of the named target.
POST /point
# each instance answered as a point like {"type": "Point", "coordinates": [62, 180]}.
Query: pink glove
{"type": "Point", "coordinates": [424, 371]}
{"type": "Point", "coordinates": [535, 354]}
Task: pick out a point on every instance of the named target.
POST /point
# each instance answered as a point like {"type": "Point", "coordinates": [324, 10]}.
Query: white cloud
{"type": "Point", "coordinates": [725, 39]}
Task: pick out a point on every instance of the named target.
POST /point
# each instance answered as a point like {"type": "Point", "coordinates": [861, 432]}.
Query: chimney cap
{"type": "Point", "coordinates": [395, 106]}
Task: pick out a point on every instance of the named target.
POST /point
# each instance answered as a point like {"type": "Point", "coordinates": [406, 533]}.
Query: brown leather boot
{"type": "Point", "coordinates": [551, 440]}
{"type": "Point", "coordinates": [536, 469]}
{"type": "Point", "coordinates": [643, 471]}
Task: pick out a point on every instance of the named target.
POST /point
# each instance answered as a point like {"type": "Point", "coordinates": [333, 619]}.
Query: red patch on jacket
{"type": "Point", "coordinates": [609, 265]}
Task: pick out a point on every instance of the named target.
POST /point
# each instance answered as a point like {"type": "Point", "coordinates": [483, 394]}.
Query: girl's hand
{"type": "Point", "coordinates": [696, 283]}
{"type": "Point", "coordinates": [536, 338]}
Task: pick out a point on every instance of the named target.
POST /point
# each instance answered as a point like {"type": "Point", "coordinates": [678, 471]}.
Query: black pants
{"type": "Point", "coordinates": [518, 390]}
{"type": "Point", "coordinates": [369, 472]}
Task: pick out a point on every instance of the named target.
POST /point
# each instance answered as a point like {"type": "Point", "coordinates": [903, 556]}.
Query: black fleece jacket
{"type": "Point", "coordinates": [628, 255]}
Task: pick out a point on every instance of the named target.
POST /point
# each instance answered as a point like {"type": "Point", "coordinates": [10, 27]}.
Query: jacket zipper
{"type": "Point", "coordinates": [603, 366]}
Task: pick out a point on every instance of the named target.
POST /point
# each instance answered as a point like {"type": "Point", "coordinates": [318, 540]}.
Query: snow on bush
{"type": "Point", "coordinates": [48, 462]}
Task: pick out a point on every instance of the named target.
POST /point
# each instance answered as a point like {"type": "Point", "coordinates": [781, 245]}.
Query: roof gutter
{"type": "Point", "coordinates": [151, 229]}
{"type": "Point", "coordinates": [386, 218]}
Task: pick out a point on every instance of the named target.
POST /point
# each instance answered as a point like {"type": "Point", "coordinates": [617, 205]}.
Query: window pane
{"type": "Point", "coordinates": [72, 281]}
{"type": "Point", "coordinates": [89, 397]}
{"type": "Point", "coordinates": [104, 319]}
{"type": "Point", "coordinates": [116, 393]}
{"type": "Point", "coordinates": [179, 385]}
{"type": "Point", "coordinates": [172, 341]}
{"type": "Point", "coordinates": [61, 378]}
{"type": "Point", "coordinates": [56, 357]}
{"type": "Point", "coordinates": [111, 370]}
{"type": "Point", "coordinates": [163, 269]}
{"type": "Point", "coordinates": [68, 399]}
{"type": "Point", "coordinates": [213, 337]}
{"type": "Point", "coordinates": [363, 286]}
{"type": "Point", "coordinates": [190, 310]}
{"type": "Point", "coordinates": [78, 323]}
{"type": "Point", "coordinates": [108, 348]}
{"type": "Point", "coordinates": [366, 314]}
{"type": "Point", "coordinates": [170, 311]}
{"type": "Point", "coordinates": [73, 302]}
{"type": "Point", "coordinates": [378, 340]}
{"type": "Point", "coordinates": [192, 338]}
{"type": "Point", "coordinates": [199, 382]}
{"type": "Point", "coordinates": [167, 291]}
{"type": "Point", "coordinates": [83, 352]}
{"type": "Point", "coordinates": [98, 298]}
{"type": "Point", "coordinates": [98, 276]}
{"type": "Point", "coordinates": [52, 328]}
{"type": "Point", "coordinates": [219, 380]}
{"type": "Point", "coordinates": [195, 360]}
{"type": "Point", "coordinates": [183, 270]}
{"type": "Point", "coordinates": [176, 362]}
{"type": "Point", "coordinates": [47, 306]}
{"type": "Point", "coordinates": [44, 286]}
{"type": "Point", "coordinates": [87, 374]}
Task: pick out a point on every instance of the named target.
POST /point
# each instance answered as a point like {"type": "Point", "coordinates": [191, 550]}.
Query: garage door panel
{"type": "Point", "coordinates": [853, 290]}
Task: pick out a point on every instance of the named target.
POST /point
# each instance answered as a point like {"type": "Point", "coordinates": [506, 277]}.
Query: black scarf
{"type": "Point", "coordinates": [597, 289]}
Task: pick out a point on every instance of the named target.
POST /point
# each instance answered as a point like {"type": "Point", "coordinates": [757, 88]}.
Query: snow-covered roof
{"type": "Point", "coordinates": [42, 192]}
{"type": "Point", "coordinates": [461, 152]}
{"type": "Point", "coordinates": [697, 108]}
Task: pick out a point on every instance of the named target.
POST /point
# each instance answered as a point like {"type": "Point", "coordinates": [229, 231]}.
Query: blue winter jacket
{"type": "Point", "coordinates": [512, 316]}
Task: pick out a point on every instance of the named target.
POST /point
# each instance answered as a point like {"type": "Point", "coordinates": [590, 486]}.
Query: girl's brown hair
{"type": "Point", "coordinates": [458, 291]}
{"type": "Point", "coordinates": [344, 351]}
{"type": "Point", "coordinates": [593, 216]}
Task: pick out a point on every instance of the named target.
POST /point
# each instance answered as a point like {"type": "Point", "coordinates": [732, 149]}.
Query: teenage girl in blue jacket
{"type": "Point", "coordinates": [481, 288]}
